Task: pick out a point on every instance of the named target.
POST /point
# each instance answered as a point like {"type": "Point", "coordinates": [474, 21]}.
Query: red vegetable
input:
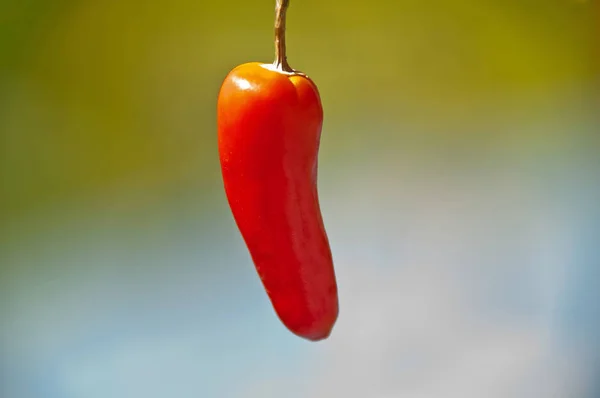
{"type": "Point", "coordinates": [269, 121]}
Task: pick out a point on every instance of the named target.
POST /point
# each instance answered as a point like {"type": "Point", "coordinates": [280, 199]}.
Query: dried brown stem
{"type": "Point", "coordinates": [280, 55]}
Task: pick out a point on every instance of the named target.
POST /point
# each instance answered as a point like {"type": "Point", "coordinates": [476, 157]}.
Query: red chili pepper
{"type": "Point", "coordinates": [269, 128]}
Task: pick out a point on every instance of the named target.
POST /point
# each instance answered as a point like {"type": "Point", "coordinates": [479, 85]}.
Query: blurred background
{"type": "Point", "coordinates": [459, 182]}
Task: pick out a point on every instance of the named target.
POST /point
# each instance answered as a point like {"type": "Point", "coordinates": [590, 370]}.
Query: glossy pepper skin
{"type": "Point", "coordinates": [269, 128]}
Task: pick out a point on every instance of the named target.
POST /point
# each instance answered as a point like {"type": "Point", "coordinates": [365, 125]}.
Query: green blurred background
{"type": "Point", "coordinates": [461, 144]}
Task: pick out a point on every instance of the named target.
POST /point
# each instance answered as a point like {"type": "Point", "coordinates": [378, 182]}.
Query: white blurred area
{"type": "Point", "coordinates": [450, 287]}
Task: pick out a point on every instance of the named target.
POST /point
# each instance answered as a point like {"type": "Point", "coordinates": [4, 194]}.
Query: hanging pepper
{"type": "Point", "coordinates": [269, 119]}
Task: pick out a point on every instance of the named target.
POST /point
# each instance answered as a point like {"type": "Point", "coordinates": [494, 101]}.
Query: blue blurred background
{"type": "Point", "coordinates": [459, 178]}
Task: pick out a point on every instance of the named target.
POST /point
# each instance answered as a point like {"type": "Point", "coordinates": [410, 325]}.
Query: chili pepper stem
{"type": "Point", "coordinates": [281, 62]}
